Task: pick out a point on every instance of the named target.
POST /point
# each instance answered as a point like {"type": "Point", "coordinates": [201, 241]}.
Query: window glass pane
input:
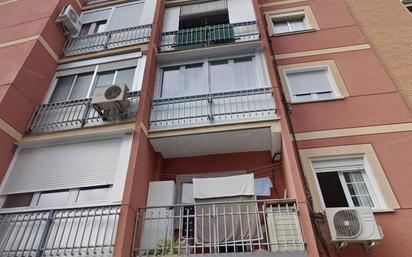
{"type": "Point", "coordinates": [308, 81]}
{"type": "Point", "coordinates": [331, 188]}
{"type": "Point", "coordinates": [51, 199]}
{"type": "Point", "coordinates": [193, 80]}
{"type": "Point", "coordinates": [244, 73]}
{"type": "Point", "coordinates": [297, 24]}
{"type": "Point", "coordinates": [62, 89]}
{"type": "Point", "coordinates": [18, 200]}
{"type": "Point", "coordinates": [126, 76]}
{"type": "Point", "coordinates": [304, 97]}
{"type": "Point", "coordinates": [85, 29]}
{"type": "Point", "coordinates": [220, 76]}
{"type": "Point", "coordinates": [171, 82]}
{"type": "Point", "coordinates": [187, 193]}
{"type": "Point", "coordinates": [105, 78]}
{"type": "Point", "coordinates": [325, 95]}
{"type": "Point", "coordinates": [81, 86]}
{"type": "Point", "coordinates": [281, 26]}
{"type": "Point", "coordinates": [357, 188]}
{"type": "Point", "coordinates": [100, 26]}
{"type": "Point", "coordinates": [95, 194]}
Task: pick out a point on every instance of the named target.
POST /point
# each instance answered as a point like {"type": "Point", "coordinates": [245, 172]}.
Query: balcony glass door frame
{"type": "Point", "coordinates": [260, 72]}
{"type": "Point", "coordinates": [78, 68]}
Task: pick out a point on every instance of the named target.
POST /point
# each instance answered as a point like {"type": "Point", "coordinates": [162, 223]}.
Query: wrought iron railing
{"type": "Point", "coordinates": [79, 113]}
{"type": "Point", "coordinates": [68, 232]}
{"type": "Point", "coordinates": [213, 108]}
{"type": "Point", "coordinates": [91, 2]}
{"type": "Point", "coordinates": [107, 40]}
{"type": "Point", "coordinates": [219, 227]}
{"type": "Point", "coordinates": [208, 35]}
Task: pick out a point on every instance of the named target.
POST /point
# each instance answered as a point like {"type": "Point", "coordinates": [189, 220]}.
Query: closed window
{"type": "Point", "coordinates": [311, 84]}
{"type": "Point", "coordinates": [344, 182]}
{"type": "Point", "coordinates": [290, 22]}
{"type": "Point", "coordinates": [109, 19]}
{"type": "Point", "coordinates": [78, 83]}
{"type": "Point", "coordinates": [53, 199]}
{"type": "Point", "coordinates": [212, 76]}
{"type": "Point", "coordinates": [72, 87]}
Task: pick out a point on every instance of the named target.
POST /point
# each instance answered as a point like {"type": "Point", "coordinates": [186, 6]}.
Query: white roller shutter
{"type": "Point", "coordinates": [241, 11]}
{"type": "Point", "coordinates": [171, 19]}
{"type": "Point", "coordinates": [198, 9]}
{"type": "Point", "coordinates": [64, 166]}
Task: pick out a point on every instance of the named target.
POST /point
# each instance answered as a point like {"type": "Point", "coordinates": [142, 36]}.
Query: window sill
{"type": "Point", "coordinates": [319, 100]}
{"type": "Point", "coordinates": [293, 32]}
{"type": "Point", "coordinates": [383, 210]}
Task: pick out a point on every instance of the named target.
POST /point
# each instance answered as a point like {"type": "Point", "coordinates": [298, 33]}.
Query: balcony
{"type": "Point", "coordinates": [238, 228]}
{"type": "Point", "coordinates": [74, 232]}
{"type": "Point", "coordinates": [91, 2]}
{"type": "Point", "coordinates": [215, 123]}
{"type": "Point", "coordinates": [107, 40]}
{"type": "Point", "coordinates": [209, 35]}
{"type": "Point", "coordinates": [77, 114]}
{"type": "Point", "coordinates": [213, 108]}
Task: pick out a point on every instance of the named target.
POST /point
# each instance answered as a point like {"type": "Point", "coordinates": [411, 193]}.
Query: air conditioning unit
{"type": "Point", "coordinates": [353, 225]}
{"type": "Point", "coordinates": [111, 97]}
{"type": "Point", "coordinates": [70, 20]}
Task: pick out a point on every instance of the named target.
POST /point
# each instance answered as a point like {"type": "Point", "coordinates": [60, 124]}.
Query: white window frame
{"type": "Point", "coordinates": [368, 177]}
{"type": "Point", "coordinates": [110, 16]}
{"type": "Point", "coordinates": [116, 189]}
{"type": "Point", "coordinates": [261, 79]}
{"type": "Point", "coordinates": [72, 69]}
{"type": "Point", "coordinates": [332, 83]}
{"type": "Point", "coordinates": [289, 16]}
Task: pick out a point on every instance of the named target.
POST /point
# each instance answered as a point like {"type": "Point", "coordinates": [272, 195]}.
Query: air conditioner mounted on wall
{"type": "Point", "coordinates": [70, 20]}
{"type": "Point", "coordinates": [110, 97]}
{"type": "Point", "coordinates": [353, 225]}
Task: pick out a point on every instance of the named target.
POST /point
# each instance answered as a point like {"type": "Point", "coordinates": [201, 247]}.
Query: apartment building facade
{"type": "Point", "coordinates": [181, 127]}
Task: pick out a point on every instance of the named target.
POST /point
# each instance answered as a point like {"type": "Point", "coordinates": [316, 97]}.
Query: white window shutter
{"type": "Point", "coordinates": [171, 19]}
{"type": "Point", "coordinates": [95, 16]}
{"type": "Point", "coordinates": [64, 166]}
{"type": "Point", "coordinates": [126, 16]}
{"type": "Point", "coordinates": [307, 82]}
{"type": "Point", "coordinates": [203, 8]}
{"type": "Point", "coordinates": [241, 11]}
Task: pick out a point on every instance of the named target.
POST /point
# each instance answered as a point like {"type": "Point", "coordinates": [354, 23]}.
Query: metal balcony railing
{"type": "Point", "coordinates": [68, 232]}
{"type": "Point", "coordinates": [220, 227]}
{"type": "Point", "coordinates": [213, 108]}
{"type": "Point", "coordinates": [209, 35]}
{"type": "Point", "coordinates": [91, 2]}
{"type": "Point", "coordinates": [107, 40]}
{"type": "Point", "coordinates": [77, 114]}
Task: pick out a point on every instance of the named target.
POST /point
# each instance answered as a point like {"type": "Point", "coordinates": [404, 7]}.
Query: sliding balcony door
{"type": "Point", "coordinates": [212, 91]}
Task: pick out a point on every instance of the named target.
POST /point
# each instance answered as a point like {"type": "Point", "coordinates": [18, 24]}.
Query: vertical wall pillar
{"type": "Point", "coordinates": [293, 177]}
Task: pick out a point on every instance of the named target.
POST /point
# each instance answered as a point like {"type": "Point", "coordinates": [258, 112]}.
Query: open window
{"type": "Point", "coordinates": [109, 19]}
{"type": "Point", "coordinates": [347, 176]}
{"type": "Point", "coordinates": [344, 182]}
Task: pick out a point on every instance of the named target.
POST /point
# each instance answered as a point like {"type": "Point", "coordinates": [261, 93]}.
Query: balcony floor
{"type": "Point", "coordinates": [260, 136]}
{"type": "Point", "coordinates": [254, 254]}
